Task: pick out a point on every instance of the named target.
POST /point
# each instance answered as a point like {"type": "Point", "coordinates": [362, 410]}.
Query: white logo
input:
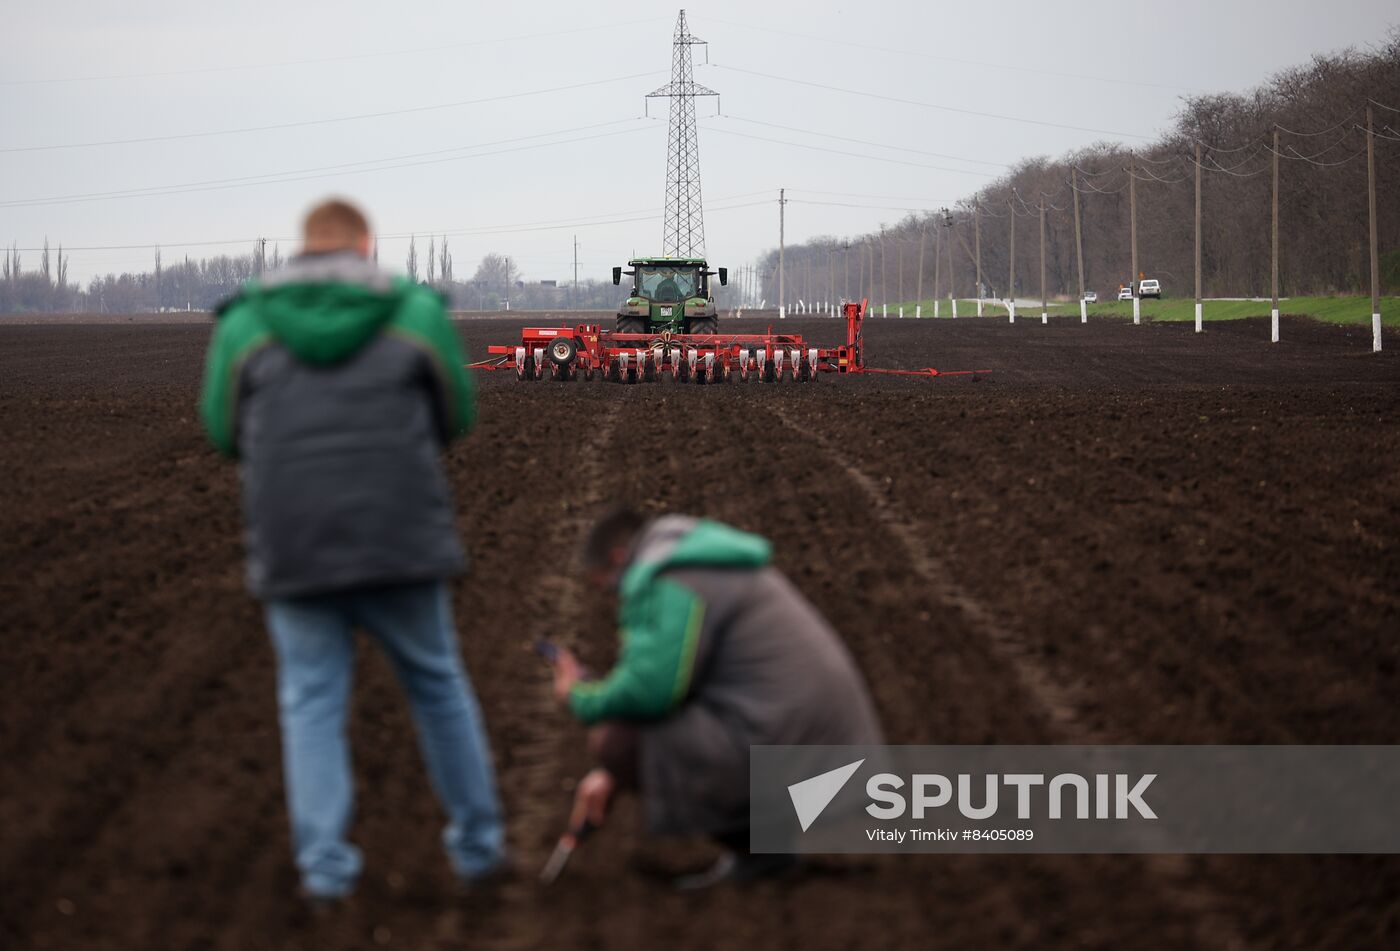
{"type": "Point", "coordinates": [811, 796]}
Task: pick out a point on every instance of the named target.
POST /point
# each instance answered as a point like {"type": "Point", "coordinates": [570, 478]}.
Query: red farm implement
{"type": "Point", "coordinates": [588, 351]}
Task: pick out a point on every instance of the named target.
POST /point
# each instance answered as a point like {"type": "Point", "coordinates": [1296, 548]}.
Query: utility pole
{"type": "Point", "coordinates": [1273, 314]}
{"type": "Point", "coordinates": [937, 268]}
{"type": "Point", "coordinates": [952, 283]}
{"type": "Point", "coordinates": [1011, 274]}
{"type": "Point", "coordinates": [575, 272]}
{"type": "Point", "coordinates": [884, 275]}
{"type": "Point", "coordinates": [1375, 257]}
{"type": "Point", "coordinates": [846, 278]}
{"type": "Point", "coordinates": [1132, 226]}
{"type": "Point", "coordinates": [782, 251]}
{"type": "Point", "coordinates": [977, 237]}
{"type": "Point", "coordinates": [1044, 301]}
{"type": "Point", "coordinates": [900, 245]}
{"type": "Point", "coordinates": [1079, 246]}
{"type": "Point", "coordinates": [919, 293]}
{"type": "Point", "coordinates": [1199, 326]}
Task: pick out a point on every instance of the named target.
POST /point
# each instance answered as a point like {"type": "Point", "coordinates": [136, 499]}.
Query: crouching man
{"type": "Point", "coordinates": [719, 652]}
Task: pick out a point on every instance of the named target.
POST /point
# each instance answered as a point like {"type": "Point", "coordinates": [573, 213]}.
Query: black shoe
{"type": "Point", "coordinates": [498, 874]}
{"type": "Point", "coordinates": [323, 906]}
{"type": "Point", "coordinates": [740, 869]}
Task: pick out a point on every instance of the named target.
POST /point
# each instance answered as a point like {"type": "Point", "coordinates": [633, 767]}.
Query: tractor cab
{"type": "Point", "coordinates": [668, 294]}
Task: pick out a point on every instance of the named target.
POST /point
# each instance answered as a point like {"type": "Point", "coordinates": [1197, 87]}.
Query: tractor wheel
{"type": "Point", "coordinates": [562, 352]}
{"type": "Point", "coordinates": [631, 325]}
{"type": "Point", "coordinates": [704, 325]}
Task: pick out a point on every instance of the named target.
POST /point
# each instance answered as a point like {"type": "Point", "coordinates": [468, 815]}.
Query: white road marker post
{"type": "Point", "coordinates": [1375, 258]}
{"type": "Point", "coordinates": [955, 308]}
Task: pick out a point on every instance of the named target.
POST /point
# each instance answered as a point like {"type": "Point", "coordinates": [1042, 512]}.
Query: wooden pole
{"type": "Point", "coordinates": [900, 252]}
{"type": "Point", "coordinates": [952, 274]}
{"type": "Point", "coordinates": [782, 251]}
{"type": "Point", "coordinates": [1044, 301]}
{"type": "Point", "coordinates": [1132, 238]}
{"type": "Point", "coordinates": [977, 237]}
{"type": "Point", "coordinates": [1199, 326]}
{"type": "Point", "coordinates": [1079, 247]}
{"type": "Point", "coordinates": [1375, 253]}
{"type": "Point", "coordinates": [937, 268]}
{"type": "Point", "coordinates": [919, 294]}
{"type": "Point", "coordinates": [1273, 278]}
{"type": "Point", "coordinates": [1011, 269]}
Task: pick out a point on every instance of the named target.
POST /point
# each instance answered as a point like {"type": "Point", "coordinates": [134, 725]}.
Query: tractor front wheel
{"type": "Point", "coordinates": [631, 325]}
{"type": "Point", "coordinates": [704, 325]}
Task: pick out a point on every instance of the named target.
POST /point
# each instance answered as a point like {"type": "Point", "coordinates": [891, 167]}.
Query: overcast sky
{"type": "Point", "coordinates": [522, 174]}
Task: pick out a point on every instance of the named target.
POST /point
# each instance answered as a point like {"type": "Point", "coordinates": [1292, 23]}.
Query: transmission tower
{"type": "Point", "coordinates": [684, 232]}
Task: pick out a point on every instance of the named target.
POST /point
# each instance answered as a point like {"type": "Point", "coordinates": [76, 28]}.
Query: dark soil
{"type": "Point", "coordinates": [1123, 534]}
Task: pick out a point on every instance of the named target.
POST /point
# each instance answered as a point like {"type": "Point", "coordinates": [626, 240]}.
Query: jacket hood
{"type": "Point", "coordinates": [676, 541]}
{"type": "Point", "coordinates": [326, 307]}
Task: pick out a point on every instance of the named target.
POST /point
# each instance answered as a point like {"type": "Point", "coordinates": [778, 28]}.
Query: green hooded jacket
{"type": "Point", "coordinates": [661, 620]}
{"type": "Point", "coordinates": [323, 323]}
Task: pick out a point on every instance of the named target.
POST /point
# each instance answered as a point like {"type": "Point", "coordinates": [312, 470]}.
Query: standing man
{"type": "Point", "coordinates": [719, 652]}
{"type": "Point", "coordinates": [336, 387]}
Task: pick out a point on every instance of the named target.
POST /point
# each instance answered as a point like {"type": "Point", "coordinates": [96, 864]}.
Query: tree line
{"type": "Point", "coordinates": [1319, 114]}
{"type": "Point", "coordinates": [42, 286]}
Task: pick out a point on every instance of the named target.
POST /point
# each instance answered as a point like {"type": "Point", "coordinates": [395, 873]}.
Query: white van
{"type": "Point", "coordinates": [1150, 289]}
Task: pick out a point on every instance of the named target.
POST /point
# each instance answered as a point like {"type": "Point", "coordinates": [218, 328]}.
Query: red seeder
{"type": "Point", "coordinates": [565, 353]}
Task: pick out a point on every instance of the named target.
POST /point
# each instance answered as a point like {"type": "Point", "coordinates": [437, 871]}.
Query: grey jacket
{"type": "Point", "coordinates": [768, 669]}
{"type": "Point", "coordinates": [337, 387]}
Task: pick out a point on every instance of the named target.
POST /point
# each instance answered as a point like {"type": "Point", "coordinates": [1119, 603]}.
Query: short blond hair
{"type": "Point", "coordinates": [334, 225]}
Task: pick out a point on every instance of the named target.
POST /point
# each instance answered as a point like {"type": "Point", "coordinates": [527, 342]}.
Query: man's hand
{"type": "Point", "coordinates": [592, 798]}
{"type": "Point", "coordinates": [567, 672]}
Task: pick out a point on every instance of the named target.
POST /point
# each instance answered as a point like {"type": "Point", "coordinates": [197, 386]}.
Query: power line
{"type": "Point", "coordinates": [321, 171]}
{"type": "Point", "coordinates": [1304, 158]}
{"type": "Point", "coordinates": [930, 105]}
{"type": "Point", "coordinates": [1351, 115]}
{"type": "Point", "coordinates": [813, 191]}
{"type": "Point", "coordinates": [323, 59]}
{"type": "Point", "coordinates": [848, 44]}
{"type": "Point", "coordinates": [868, 158]}
{"type": "Point", "coordinates": [327, 121]}
{"type": "Point", "coordinates": [846, 204]}
{"type": "Point", "coordinates": [517, 228]}
{"type": "Point", "coordinates": [860, 141]}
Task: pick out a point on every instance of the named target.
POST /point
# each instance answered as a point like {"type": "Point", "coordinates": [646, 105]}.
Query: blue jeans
{"type": "Point", "coordinates": [314, 640]}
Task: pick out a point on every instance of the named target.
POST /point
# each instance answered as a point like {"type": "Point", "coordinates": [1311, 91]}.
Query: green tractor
{"type": "Point", "coordinates": [669, 294]}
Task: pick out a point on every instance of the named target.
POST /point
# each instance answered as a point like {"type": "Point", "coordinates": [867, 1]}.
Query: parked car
{"type": "Point", "coordinates": [1125, 292]}
{"type": "Point", "coordinates": [1091, 297]}
{"type": "Point", "coordinates": [1150, 289]}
